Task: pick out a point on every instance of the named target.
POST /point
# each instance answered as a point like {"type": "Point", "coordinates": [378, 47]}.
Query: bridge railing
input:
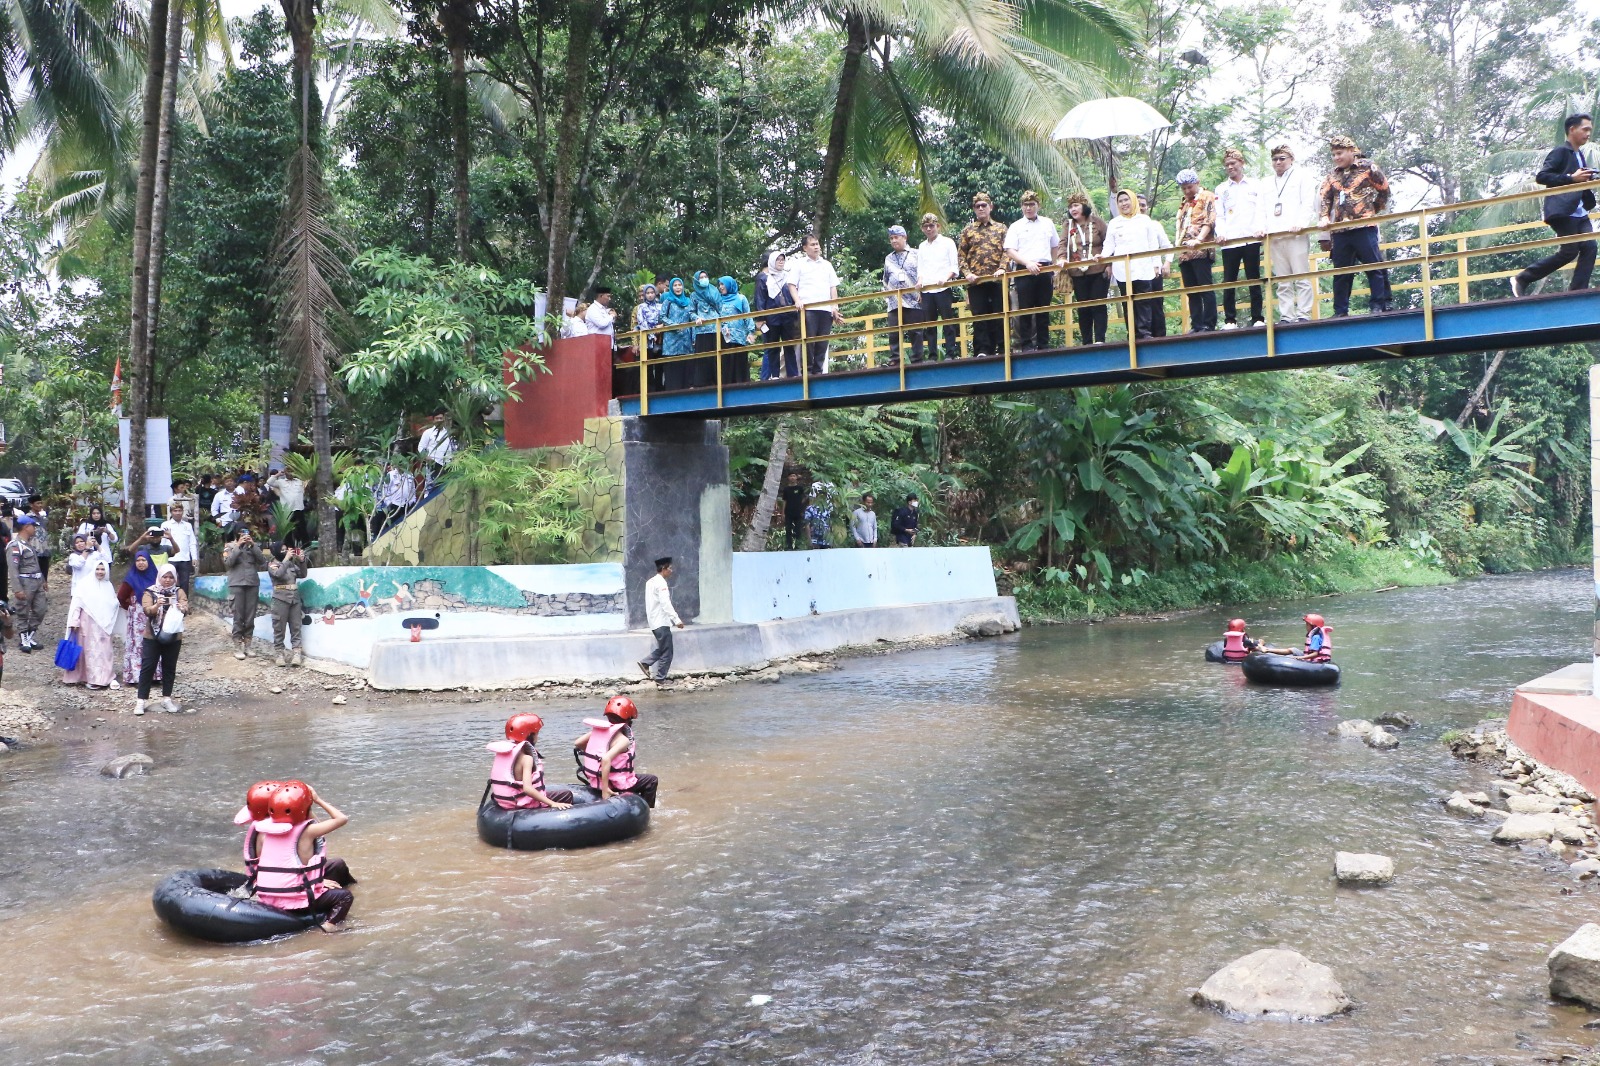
{"type": "Point", "coordinates": [1430, 263]}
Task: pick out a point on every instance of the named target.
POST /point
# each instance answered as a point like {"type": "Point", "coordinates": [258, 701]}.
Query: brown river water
{"type": "Point", "coordinates": [1026, 850]}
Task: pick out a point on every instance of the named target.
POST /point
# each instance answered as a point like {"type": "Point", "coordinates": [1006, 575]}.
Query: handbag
{"type": "Point", "coordinates": [69, 652]}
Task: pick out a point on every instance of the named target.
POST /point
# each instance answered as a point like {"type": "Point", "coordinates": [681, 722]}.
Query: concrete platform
{"type": "Point", "coordinates": [512, 662]}
{"type": "Point", "coordinates": [1556, 719]}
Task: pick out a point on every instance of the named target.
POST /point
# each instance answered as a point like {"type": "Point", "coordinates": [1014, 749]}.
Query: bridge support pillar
{"type": "Point", "coordinates": [673, 481]}
{"type": "Point", "coordinates": [1594, 506]}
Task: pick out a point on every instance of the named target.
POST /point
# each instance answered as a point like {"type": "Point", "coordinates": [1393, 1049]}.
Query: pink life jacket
{"type": "Point", "coordinates": [601, 736]}
{"type": "Point", "coordinates": [1233, 649]}
{"type": "Point", "coordinates": [251, 851]}
{"type": "Point", "coordinates": [282, 880]}
{"type": "Point", "coordinates": [503, 785]}
{"type": "Point", "coordinates": [1325, 654]}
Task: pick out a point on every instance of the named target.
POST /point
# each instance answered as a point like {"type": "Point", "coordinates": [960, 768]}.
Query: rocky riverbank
{"type": "Point", "coordinates": [1528, 805]}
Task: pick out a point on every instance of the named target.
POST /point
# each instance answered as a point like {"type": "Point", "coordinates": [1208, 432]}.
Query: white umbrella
{"type": "Point", "coordinates": [1118, 116]}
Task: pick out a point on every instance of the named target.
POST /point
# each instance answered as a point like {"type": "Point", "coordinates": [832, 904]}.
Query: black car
{"type": "Point", "coordinates": [14, 490]}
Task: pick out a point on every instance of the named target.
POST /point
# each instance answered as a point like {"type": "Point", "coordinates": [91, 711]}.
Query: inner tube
{"type": "Point", "coordinates": [1214, 654]}
{"type": "Point", "coordinates": [196, 903]}
{"type": "Point", "coordinates": [1287, 670]}
{"type": "Point", "coordinates": [589, 821]}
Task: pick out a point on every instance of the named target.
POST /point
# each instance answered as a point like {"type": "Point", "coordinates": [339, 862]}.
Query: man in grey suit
{"type": "Point", "coordinates": [1566, 213]}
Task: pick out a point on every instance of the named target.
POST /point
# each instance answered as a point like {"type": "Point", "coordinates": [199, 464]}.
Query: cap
{"type": "Point", "coordinates": [1029, 197]}
{"type": "Point", "coordinates": [930, 217]}
{"type": "Point", "coordinates": [897, 231]}
{"type": "Point", "coordinates": [27, 520]}
{"type": "Point", "coordinates": [1186, 176]}
{"type": "Point", "coordinates": [1340, 140]}
{"type": "Point", "coordinates": [982, 198]}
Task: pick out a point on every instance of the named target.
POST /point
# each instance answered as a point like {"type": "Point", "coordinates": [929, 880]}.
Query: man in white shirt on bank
{"type": "Point", "coordinates": [291, 492]}
{"type": "Point", "coordinates": [181, 533]}
{"type": "Point", "coordinates": [222, 512]}
{"type": "Point", "coordinates": [1295, 195]}
{"type": "Point", "coordinates": [938, 262]}
{"type": "Point", "coordinates": [601, 318]}
{"type": "Point", "coordinates": [1031, 244]}
{"type": "Point", "coordinates": [1241, 213]}
{"type": "Point", "coordinates": [814, 285]}
{"type": "Point", "coordinates": [436, 444]}
{"type": "Point", "coordinates": [661, 619]}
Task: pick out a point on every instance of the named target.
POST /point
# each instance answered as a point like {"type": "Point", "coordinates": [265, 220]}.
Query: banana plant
{"type": "Point", "coordinates": [1492, 456]}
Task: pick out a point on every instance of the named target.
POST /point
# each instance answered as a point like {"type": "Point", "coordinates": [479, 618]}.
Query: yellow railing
{"type": "Point", "coordinates": [859, 341]}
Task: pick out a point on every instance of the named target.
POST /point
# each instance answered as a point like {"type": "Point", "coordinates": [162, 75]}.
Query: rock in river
{"type": "Point", "coordinates": [1353, 729]}
{"type": "Point", "coordinates": [127, 766]}
{"type": "Point", "coordinates": [1381, 739]}
{"type": "Point", "coordinates": [1532, 804]}
{"type": "Point", "coordinates": [1274, 983]}
{"type": "Point", "coordinates": [1575, 966]}
{"type": "Point", "coordinates": [1524, 827]}
{"type": "Point", "coordinates": [1395, 720]}
{"type": "Point", "coordinates": [1459, 804]}
{"type": "Point", "coordinates": [1353, 868]}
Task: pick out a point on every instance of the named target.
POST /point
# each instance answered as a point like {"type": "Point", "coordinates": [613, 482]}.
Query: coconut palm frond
{"type": "Point", "coordinates": [309, 261]}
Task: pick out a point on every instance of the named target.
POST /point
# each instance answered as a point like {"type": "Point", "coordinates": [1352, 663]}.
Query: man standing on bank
{"type": "Point", "coordinates": [1031, 244]}
{"type": "Point", "coordinates": [1291, 209]}
{"type": "Point", "coordinates": [661, 619]}
{"type": "Point", "coordinates": [981, 248]}
{"type": "Point", "coordinates": [1566, 213]}
{"type": "Point", "coordinates": [1354, 189]}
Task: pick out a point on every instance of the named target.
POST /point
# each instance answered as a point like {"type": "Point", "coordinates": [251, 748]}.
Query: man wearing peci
{"type": "Point", "coordinates": [1566, 213]}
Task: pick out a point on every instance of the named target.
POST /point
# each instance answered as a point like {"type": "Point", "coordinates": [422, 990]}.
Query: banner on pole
{"type": "Point", "coordinates": [157, 459]}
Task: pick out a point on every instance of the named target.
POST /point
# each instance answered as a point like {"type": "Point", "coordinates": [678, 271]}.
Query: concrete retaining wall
{"type": "Point", "coordinates": [1556, 719]}
{"type": "Point", "coordinates": [508, 662]}
{"type": "Point", "coordinates": [769, 585]}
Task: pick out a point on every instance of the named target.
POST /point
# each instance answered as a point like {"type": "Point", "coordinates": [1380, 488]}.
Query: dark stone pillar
{"type": "Point", "coordinates": [676, 500]}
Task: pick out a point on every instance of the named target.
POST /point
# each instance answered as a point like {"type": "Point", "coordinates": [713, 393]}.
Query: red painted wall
{"type": "Point", "coordinates": [548, 409]}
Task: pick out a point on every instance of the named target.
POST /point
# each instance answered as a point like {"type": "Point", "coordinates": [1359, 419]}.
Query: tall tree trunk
{"type": "Point", "coordinates": [137, 376]}
{"type": "Point", "coordinates": [857, 37]}
{"type": "Point", "coordinates": [582, 17]}
{"type": "Point", "coordinates": [158, 210]}
{"type": "Point", "coordinates": [456, 17]}
{"type": "Point", "coordinates": [755, 538]}
{"type": "Point", "coordinates": [1483, 387]}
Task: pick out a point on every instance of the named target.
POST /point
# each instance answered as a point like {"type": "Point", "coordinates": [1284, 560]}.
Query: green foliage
{"type": "Point", "coordinates": [529, 506]}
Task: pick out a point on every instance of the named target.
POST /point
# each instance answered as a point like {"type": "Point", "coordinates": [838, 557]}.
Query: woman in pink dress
{"type": "Point", "coordinates": [93, 616]}
{"type": "Point", "coordinates": [141, 576]}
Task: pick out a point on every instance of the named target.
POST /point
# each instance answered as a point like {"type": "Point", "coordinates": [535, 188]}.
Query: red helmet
{"type": "Point", "coordinates": [291, 804]}
{"type": "Point", "coordinates": [622, 707]}
{"type": "Point", "coordinates": [520, 727]}
{"type": "Point", "coordinates": [1236, 625]}
{"type": "Point", "coordinates": [1315, 620]}
{"type": "Point", "coordinates": [255, 802]}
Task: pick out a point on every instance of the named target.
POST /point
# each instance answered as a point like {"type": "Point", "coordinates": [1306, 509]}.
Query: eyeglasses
{"type": "Point", "coordinates": [1280, 159]}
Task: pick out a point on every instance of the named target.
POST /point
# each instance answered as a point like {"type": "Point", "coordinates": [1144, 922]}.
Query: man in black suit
{"type": "Point", "coordinates": [1566, 213]}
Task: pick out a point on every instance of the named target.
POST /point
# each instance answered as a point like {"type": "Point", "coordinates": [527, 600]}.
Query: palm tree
{"type": "Point", "coordinates": [1007, 67]}
{"type": "Point", "coordinates": [56, 57]}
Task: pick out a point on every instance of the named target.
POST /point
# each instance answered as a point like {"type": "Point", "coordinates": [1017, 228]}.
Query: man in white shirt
{"type": "Point", "coordinates": [601, 318]}
{"type": "Point", "coordinates": [1241, 213]}
{"type": "Point", "coordinates": [661, 618]}
{"type": "Point", "coordinates": [222, 512]}
{"type": "Point", "coordinates": [181, 534]}
{"type": "Point", "coordinates": [900, 272]}
{"type": "Point", "coordinates": [813, 284]}
{"type": "Point", "coordinates": [291, 492]}
{"type": "Point", "coordinates": [1031, 244]}
{"type": "Point", "coordinates": [436, 443]}
{"type": "Point", "coordinates": [939, 262]}
{"type": "Point", "coordinates": [1296, 196]}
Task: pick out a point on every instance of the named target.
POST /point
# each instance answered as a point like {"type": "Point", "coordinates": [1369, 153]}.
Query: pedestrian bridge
{"type": "Point", "coordinates": [1450, 270]}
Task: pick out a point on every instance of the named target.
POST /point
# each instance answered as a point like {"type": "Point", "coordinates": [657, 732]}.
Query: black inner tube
{"type": "Point", "coordinates": [1287, 670]}
{"type": "Point", "coordinates": [196, 902]}
{"type": "Point", "coordinates": [589, 821]}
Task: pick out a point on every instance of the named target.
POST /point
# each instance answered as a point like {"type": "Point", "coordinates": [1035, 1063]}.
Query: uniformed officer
{"type": "Point", "coordinates": [27, 574]}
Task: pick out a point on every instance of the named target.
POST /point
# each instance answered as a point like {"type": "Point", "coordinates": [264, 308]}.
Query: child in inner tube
{"type": "Point", "coordinates": [255, 809]}
{"type": "Point", "coordinates": [606, 756]}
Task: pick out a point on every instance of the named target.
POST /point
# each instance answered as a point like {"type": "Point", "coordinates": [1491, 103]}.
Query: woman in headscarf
{"type": "Point", "coordinates": [707, 307]}
{"type": "Point", "coordinates": [98, 530]}
{"type": "Point", "coordinates": [1130, 233]}
{"type": "Point", "coordinates": [158, 601]}
{"type": "Point", "coordinates": [647, 316]}
{"type": "Point", "coordinates": [772, 291]}
{"type": "Point", "coordinates": [736, 333]}
{"type": "Point", "coordinates": [677, 309]}
{"type": "Point", "coordinates": [93, 616]}
{"type": "Point", "coordinates": [1083, 238]}
{"type": "Point", "coordinates": [141, 575]}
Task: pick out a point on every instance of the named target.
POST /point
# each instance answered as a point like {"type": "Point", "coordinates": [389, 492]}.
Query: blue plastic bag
{"type": "Point", "coordinates": [68, 652]}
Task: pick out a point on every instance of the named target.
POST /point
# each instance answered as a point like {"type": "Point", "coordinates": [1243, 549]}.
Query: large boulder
{"type": "Point", "coordinates": [127, 766]}
{"type": "Point", "coordinates": [1575, 966]}
{"type": "Point", "coordinates": [1354, 868]}
{"type": "Point", "coordinates": [1353, 729]}
{"type": "Point", "coordinates": [1395, 720]}
{"type": "Point", "coordinates": [1459, 804]}
{"type": "Point", "coordinates": [1277, 984]}
{"type": "Point", "coordinates": [1381, 739]}
{"type": "Point", "coordinates": [1521, 828]}
{"type": "Point", "coordinates": [1532, 804]}
{"type": "Point", "coordinates": [983, 625]}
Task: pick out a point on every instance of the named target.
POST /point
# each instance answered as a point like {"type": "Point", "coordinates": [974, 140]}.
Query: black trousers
{"type": "Point", "coordinates": [1144, 310]}
{"type": "Point", "coordinates": [1034, 290]}
{"type": "Point", "coordinates": [644, 786]}
{"type": "Point", "coordinates": [1352, 246]}
{"type": "Point", "coordinates": [659, 661]}
{"type": "Point", "coordinates": [1249, 257]}
{"type": "Point", "coordinates": [186, 570]}
{"type": "Point", "coordinates": [703, 372]}
{"type": "Point", "coordinates": [151, 653]}
{"type": "Point", "coordinates": [818, 325]}
{"type": "Point", "coordinates": [1582, 251]}
{"type": "Point", "coordinates": [794, 529]}
{"type": "Point", "coordinates": [334, 902]}
{"type": "Point", "coordinates": [1202, 305]}
{"type": "Point", "coordinates": [1092, 320]}
{"type": "Point", "coordinates": [983, 298]}
{"type": "Point", "coordinates": [780, 359]}
{"type": "Point", "coordinates": [937, 307]}
{"type": "Point", "coordinates": [905, 315]}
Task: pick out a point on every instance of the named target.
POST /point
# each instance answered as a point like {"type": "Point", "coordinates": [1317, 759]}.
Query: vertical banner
{"type": "Point", "coordinates": [1594, 508]}
{"type": "Point", "coordinates": [278, 429]}
{"type": "Point", "coordinates": [157, 459]}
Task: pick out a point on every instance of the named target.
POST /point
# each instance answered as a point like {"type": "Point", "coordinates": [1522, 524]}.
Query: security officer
{"type": "Point", "coordinates": [24, 563]}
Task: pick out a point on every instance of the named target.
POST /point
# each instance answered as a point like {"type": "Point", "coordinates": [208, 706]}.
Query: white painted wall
{"type": "Point", "coordinates": [768, 585]}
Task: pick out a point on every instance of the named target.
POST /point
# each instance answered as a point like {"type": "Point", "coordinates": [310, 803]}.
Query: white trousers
{"type": "Point", "coordinates": [1291, 254]}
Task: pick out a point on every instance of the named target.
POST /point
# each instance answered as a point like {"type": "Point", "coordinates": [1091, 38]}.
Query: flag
{"type": "Point", "coordinates": [116, 387]}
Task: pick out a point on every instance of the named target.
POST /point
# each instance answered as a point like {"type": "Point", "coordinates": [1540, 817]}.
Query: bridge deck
{"type": "Point", "coordinates": [1555, 318]}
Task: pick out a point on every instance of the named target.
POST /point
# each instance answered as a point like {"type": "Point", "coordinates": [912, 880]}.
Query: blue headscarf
{"type": "Point", "coordinates": [673, 298]}
{"type": "Point", "coordinates": [138, 580]}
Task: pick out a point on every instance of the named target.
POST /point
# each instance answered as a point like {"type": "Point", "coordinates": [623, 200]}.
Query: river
{"type": "Point", "coordinates": [1026, 850]}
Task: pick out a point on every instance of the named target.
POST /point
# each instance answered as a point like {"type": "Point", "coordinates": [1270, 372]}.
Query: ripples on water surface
{"type": "Point", "coordinates": [1026, 850]}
